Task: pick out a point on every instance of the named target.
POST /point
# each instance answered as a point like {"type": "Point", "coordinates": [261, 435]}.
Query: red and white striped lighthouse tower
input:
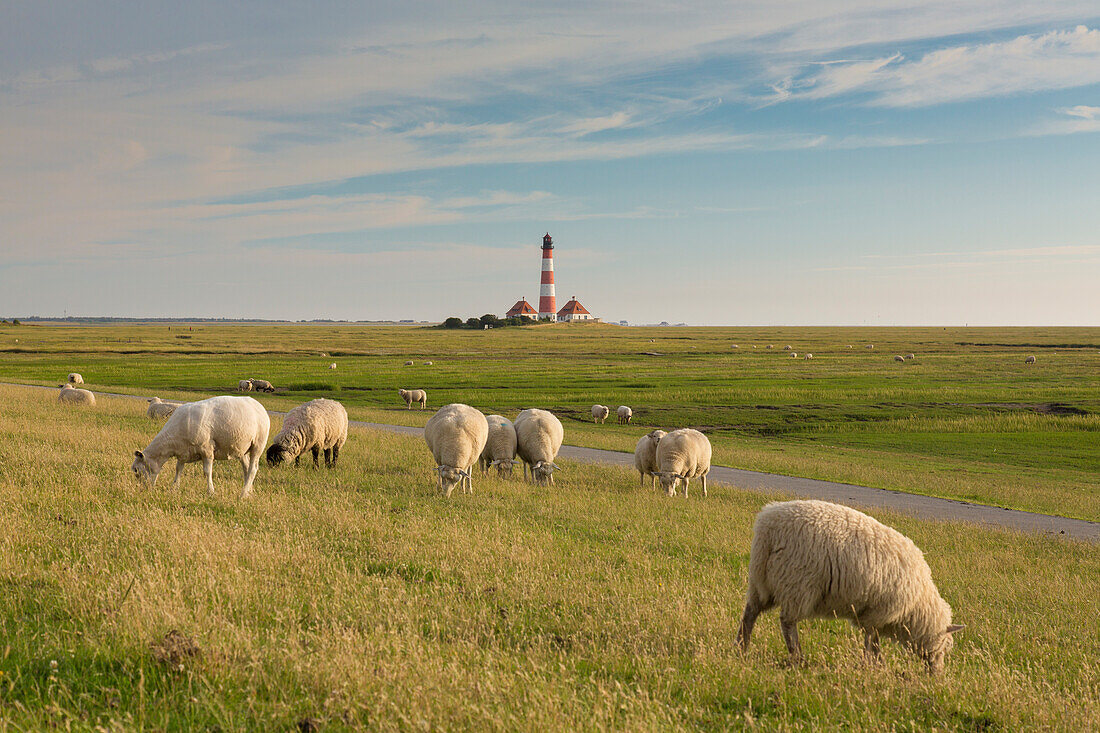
{"type": "Point", "coordinates": [548, 307]}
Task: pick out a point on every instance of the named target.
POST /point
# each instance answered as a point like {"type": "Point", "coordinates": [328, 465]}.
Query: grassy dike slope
{"type": "Point", "coordinates": [360, 598]}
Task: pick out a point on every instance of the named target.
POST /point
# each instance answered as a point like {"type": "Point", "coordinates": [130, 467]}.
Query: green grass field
{"type": "Point", "coordinates": [966, 419]}
{"type": "Point", "coordinates": [359, 598]}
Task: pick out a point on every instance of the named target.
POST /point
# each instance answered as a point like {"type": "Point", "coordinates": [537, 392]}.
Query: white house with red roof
{"type": "Point", "coordinates": [574, 311]}
{"type": "Point", "coordinates": [522, 309]}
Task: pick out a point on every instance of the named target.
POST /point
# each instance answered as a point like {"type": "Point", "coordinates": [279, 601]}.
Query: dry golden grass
{"type": "Point", "coordinates": [359, 598]}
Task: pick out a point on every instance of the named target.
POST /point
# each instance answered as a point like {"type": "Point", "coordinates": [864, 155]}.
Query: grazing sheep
{"type": "Point", "coordinates": [500, 447]}
{"type": "Point", "coordinates": [427, 363]}
{"type": "Point", "coordinates": [645, 456]}
{"type": "Point", "coordinates": [414, 395]}
{"type": "Point", "coordinates": [70, 395]}
{"type": "Point", "coordinates": [456, 435]}
{"type": "Point", "coordinates": [317, 426]}
{"type": "Point", "coordinates": [769, 346]}
{"type": "Point", "coordinates": [818, 559]}
{"type": "Point", "coordinates": [910, 356]}
{"type": "Point", "coordinates": [75, 378]}
{"type": "Point", "coordinates": [682, 455]}
{"type": "Point", "coordinates": [332, 365]}
{"type": "Point", "coordinates": [849, 346]}
{"type": "Point", "coordinates": [899, 358]}
{"type": "Point", "coordinates": [788, 347]}
{"type": "Point", "coordinates": [794, 354]}
{"type": "Point", "coordinates": [538, 439]}
{"type": "Point", "coordinates": [869, 346]}
{"type": "Point", "coordinates": [323, 353]}
{"type": "Point", "coordinates": [808, 356]}
{"type": "Point", "coordinates": [159, 409]}
{"type": "Point", "coordinates": [1029, 360]}
{"type": "Point", "coordinates": [408, 363]}
{"type": "Point", "coordinates": [735, 346]}
{"type": "Point", "coordinates": [245, 385]}
{"type": "Point", "coordinates": [217, 428]}
{"type": "Point", "coordinates": [624, 413]}
{"type": "Point", "coordinates": [600, 413]}
{"type": "Point", "coordinates": [262, 385]}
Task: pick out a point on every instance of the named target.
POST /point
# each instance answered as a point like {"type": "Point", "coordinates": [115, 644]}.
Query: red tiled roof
{"type": "Point", "coordinates": [572, 308]}
{"type": "Point", "coordinates": [521, 308]}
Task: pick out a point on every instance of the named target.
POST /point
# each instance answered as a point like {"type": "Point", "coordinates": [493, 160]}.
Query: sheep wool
{"type": "Point", "coordinates": [500, 446]}
{"type": "Point", "coordinates": [456, 435]}
{"type": "Point", "coordinates": [159, 409]}
{"type": "Point", "coordinates": [645, 456]}
{"type": "Point", "coordinates": [682, 455]}
{"type": "Point", "coordinates": [217, 428]}
{"type": "Point", "coordinates": [414, 395]}
{"type": "Point", "coordinates": [817, 559]}
{"type": "Point", "coordinates": [1029, 360]}
{"type": "Point", "coordinates": [600, 413]}
{"type": "Point", "coordinates": [262, 385]}
{"type": "Point", "coordinates": [70, 395]}
{"type": "Point", "coordinates": [539, 435]}
{"type": "Point", "coordinates": [624, 413]}
{"type": "Point", "coordinates": [318, 426]}
{"type": "Point", "coordinates": [245, 385]}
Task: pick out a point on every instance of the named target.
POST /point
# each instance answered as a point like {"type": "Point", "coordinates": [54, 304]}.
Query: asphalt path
{"type": "Point", "coordinates": [923, 507]}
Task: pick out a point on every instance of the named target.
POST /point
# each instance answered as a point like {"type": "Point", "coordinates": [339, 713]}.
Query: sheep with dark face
{"type": "Point", "coordinates": [262, 385]}
{"type": "Point", "coordinates": [318, 426]}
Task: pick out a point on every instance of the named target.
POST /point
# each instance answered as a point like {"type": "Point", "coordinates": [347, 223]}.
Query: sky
{"type": "Point", "coordinates": [797, 162]}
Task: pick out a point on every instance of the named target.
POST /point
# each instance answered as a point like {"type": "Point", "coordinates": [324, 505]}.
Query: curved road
{"type": "Point", "coordinates": [924, 507]}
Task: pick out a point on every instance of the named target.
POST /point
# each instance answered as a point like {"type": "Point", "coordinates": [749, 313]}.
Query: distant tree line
{"type": "Point", "coordinates": [486, 320]}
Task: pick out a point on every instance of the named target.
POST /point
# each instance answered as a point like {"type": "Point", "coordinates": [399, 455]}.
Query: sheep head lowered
{"type": "Point", "coordinates": [543, 472]}
{"type": "Point", "coordinates": [145, 469]}
{"type": "Point", "coordinates": [504, 467]}
{"type": "Point", "coordinates": [450, 477]}
{"type": "Point", "coordinates": [279, 454]}
{"type": "Point", "coordinates": [669, 481]}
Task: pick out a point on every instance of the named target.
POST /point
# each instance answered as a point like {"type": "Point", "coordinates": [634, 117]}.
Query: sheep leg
{"type": "Point", "coordinates": [335, 455]}
{"type": "Point", "coordinates": [296, 461]}
{"type": "Point", "coordinates": [789, 629]}
{"type": "Point", "coordinates": [179, 472]}
{"type": "Point", "coordinates": [328, 457]}
{"type": "Point", "coordinates": [704, 480]}
{"type": "Point", "coordinates": [748, 620]}
{"type": "Point", "coordinates": [687, 482]}
{"type": "Point", "coordinates": [208, 471]}
{"type": "Point", "coordinates": [641, 478]}
{"type": "Point", "coordinates": [255, 456]}
{"type": "Point", "coordinates": [316, 451]}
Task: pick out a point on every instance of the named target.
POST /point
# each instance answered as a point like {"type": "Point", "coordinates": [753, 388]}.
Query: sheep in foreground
{"type": "Point", "coordinates": [245, 385]}
{"type": "Point", "coordinates": [899, 357]}
{"type": "Point", "coordinates": [817, 559]}
{"type": "Point", "coordinates": [600, 413]}
{"type": "Point", "coordinates": [159, 409]}
{"type": "Point", "coordinates": [456, 435]}
{"type": "Point", "coordinates": [1029, 360]}
{"type": "Point", "coordinates": [539, 435]}
{"type": "Point", "coordinates": [645, 456]}
{"type": "Point", "coordinates": [500, 446]}
{"type": "Point", "coordinates": [262, 385]}
{"type": "Point", "coordinates": [70, 395]}
{"type": "Point", "coordinates": [624, 413]}
{"type": "Point", "coordinates": [317, 426]}
{"type": "Point", "coordinates": [414, 395]}
{"type": "Point", "coordinates": [217, 428]}
{"type": "Point", "coordinates": [682, 455]}
{"type": "Point", "coordinates": [75, 378]}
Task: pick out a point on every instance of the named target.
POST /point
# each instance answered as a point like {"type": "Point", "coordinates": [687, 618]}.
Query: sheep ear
{"type": "Point", "coordinates": [138, 454]}
{"type": "Point", "coordinates": [955, 627]}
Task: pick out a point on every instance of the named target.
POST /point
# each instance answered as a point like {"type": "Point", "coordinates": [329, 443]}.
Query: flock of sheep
{"type": "Point", "coordinates": [810, 558]}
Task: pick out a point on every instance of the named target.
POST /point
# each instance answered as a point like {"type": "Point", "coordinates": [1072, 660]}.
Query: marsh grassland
{"type": "Point", "coordinates": [965, 419]}
{"type": "Point", "coordinates": [359, 598]}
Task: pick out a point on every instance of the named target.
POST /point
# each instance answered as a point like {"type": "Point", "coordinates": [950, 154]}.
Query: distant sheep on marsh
{"type": "Point", "coordinates": [159, 409]}
{"type": "Point", "coordinates": [625, 414]}
{"type": "Point", "coordinates": [332, 365]}
{"type": "Point", "coordinates": [818, 559]}
{"type": "Point", "coordinates": [645, 456]}
{"type": "Point", "coordinates": [245, 385]}
{"type": "Point", "coordinates": [600, 413]}
{"type": "Point", "coordinates": [410, 396]}
{"type": "Point", "coordinates": [262, 385]}
{"type": "Point", "coordinates": [899, 358]}
{"type": "Point", "coordinates": [1029, 360]}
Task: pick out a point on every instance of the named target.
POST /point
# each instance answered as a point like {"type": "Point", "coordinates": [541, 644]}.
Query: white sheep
{"type": "Point", "coordinates": [869, 346]}
{"type": "Point", "coordinates": [456, 435]}
{"type": "Point", "coordinates": [624, 413]}
{"type": "Point", "coordinates": [332, 365]}
{"type": "Point", "coordinates": [849, 346]}
{"type": "Point", "coordinates": [817, 559]}
{"type": "Point", "coordinates": [645, 456]}
{"type": "Point", "coordinates": [72, 396]}
{"type": "Point", "coordinates": [769, 346]}
{"type": "Point", "coordinates": [75, 378]}
{"type": "Point", "coordinates": [910, 356]}
{"type": "Point", "coordinates": [414, 395]}
{"type": "Point", "coordinates": [1029, 360]}
{"type": "Point", "coordinates": [217, 428]}
{"type": "Point", "coordinates": [539, 435]}
{"type": "Point", "coordinates": [316, 426]}
{"type": "Point", "coordinates": [409, 363]}
{"type": "Point", "coordinates": [898, 357]}
{"type": "Point", "coordinates": [159, 409]}
{"type": "Point", "coordinates": [245, 385]}
{"type": "Point", "coordinates": [682, 455]}
{"type": "Point", "coordinates": [427, 363]}
{"type": "Point", "coordinates": [809, 356]}
{"type": "Point", "coordinates": [734, 346]}
{"type": "Point", "coordinates": [262, 385]}
{"type": "Point", "coordinates": [500, 446]}
{"type": "Point", "coordinates": [794, 354]}
{"type": "Point", "coordinates": [600, 413]}
{"type": "Point", "coordinates": [788, 347]}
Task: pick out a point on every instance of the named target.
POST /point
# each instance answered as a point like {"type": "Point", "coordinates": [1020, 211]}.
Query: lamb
{"type": "Point", "coordinates": [456, 435]}
{"type": "Point", "coordinates": [500, 446]}
{"type": "Point", "coordinates": [262, 385]}
{"type": "Point", "coordinates": [683, 454]}
{"type": "Point", "coordinates": [75, 378]}
{"type": "Point", "coordinates": [539, 435]}
{"type": "Point", "coordinates": [217, 428]}
{"type": "Point", "coordinates": [70, 395]}
{"type": "Point", "coordinates": [245, 385]}
{"type": "Point", "coordinates": [414, 395]}
{"type": "Point", "coordinates": [1029, 360]}
{"type": "Point", "coordinates": [645, 456]}
{"type": "Point", "coordinates": [317, 426]}
{"type": "Point", "coordinates": [159, 409]}
{"type": "Point", "coordinates": [818, 559]}
{"type": "Point", "coordinates": [899, 358]}
{"type": "Point", "coordinates": [600, 413]}
{"type": "Point", "coordinates": [332, 365]}
{"type": "Point", "coordinates": [624, 413]}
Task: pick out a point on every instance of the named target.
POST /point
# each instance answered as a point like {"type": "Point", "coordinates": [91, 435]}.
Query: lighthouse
{"type": "Point", "coordinates": [547, 303]}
